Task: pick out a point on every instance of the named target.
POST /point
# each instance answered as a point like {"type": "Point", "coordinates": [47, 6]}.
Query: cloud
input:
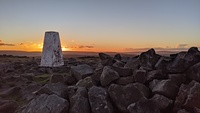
{"type": "Point", "coordinates": [81, 47]}
{"type": "Point", "coordinates": [182, 45]}
{"type": "Point", "coordinates": [5, 44]}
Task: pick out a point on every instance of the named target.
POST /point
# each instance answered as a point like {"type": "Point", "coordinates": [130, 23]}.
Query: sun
{"type": "Point", "coordinates": [65, 49]}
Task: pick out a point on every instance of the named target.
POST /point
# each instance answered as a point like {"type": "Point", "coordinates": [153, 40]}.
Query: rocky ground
{"type": "Point", "coordinates": [147, 83]}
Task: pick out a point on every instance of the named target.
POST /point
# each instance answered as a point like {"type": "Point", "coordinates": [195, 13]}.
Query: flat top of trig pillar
{"type": "Point", "coordinates": [51, 32]}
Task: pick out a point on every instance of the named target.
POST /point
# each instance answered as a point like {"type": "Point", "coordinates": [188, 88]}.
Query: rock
{"type": "Point", "coordinates": [163, 63]}
{"type": "Point", "coordinates": [156, 74]}
{"type": "Point", "coordinates": [53, 88]}
{"type": "Point", "coordinates": [133, 63]}
{"type": "Point", "coordinates": [140, 76]}
{"type": "Point", "coordinates": [13, 91]}
{"type": "Point", "coordinates": [124, 80]}
{"type": "Point", "coordinates": [86, 82]}
{"type": "Point", "coordinates": [99, 100]}
{"type": "Point", "coordinates": [177, 78]}
{"type": "Point", "coordinates": [149, 59]}
{"type": "Point", "coordinates": [69, 79]}
{"type": "Point", "coordinates": [193, 98]}
{"type": "Point", "coordinates": [27, 92]}
{"type": "Point", "coordinates": [118, 57]}
{"type": "Point", "coordinates": [79, 102]}
{"type": "Point", "coordinates": [106, 60]}
{"type": "Point", "coordinates": [153, 83]}
{"type": "Point", "coordinates": [161, 101]}
{"type": "Point", "coordinates": [143, 106]}
{"type": "Point", "coordinates": [182, 96]}
{"type": "Point", "coordinates": [104, 56]}
{"type": "Point", "coordinates": [8, 106]}
{"type": "Point", "coordinates": [28, 76]}
{"type": "Point", "coordinates": [167, 88]}
{"type": "Point", "coordinates": [57, 78]}
{"type": "Point", "coordinates": [143, 89]}
{"type": "Point", "coordinates": [182, 111]}
{"type": "Point", "coordinates": [47, 104]}
{"type": "Point", "coordinates": [123, 72]}
{"type": "Point", "coordinates": [108, 75]}
{"type": "Point", "coordinates": [97, 74]}
{"type": "Point", "coordinates": [119, 64]}
{"type": "Point", "coordinates": [123, 96]}
{"type": "Point", "coordinates": [81, 71]}
{"type": "Point", "coordinates": [194, 72]}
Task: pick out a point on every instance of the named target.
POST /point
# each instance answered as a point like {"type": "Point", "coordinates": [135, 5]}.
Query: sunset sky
{"type": "Point", "coordinates": [101, 25]}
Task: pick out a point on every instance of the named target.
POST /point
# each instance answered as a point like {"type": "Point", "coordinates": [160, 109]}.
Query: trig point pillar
{"type": "Point", "coordinates": [52, 52]}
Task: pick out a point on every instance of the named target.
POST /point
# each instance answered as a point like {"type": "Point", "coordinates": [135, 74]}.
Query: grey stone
{"type": "Point", "coordinates": [125, 80]}
{"type": "Point", "coordinates": [99, 100]}
{"type": "Point", "coordinates": [133, 63]}
{"type": "Point", "coordinates": [54, 78]}
{"type": "Point", "coordinates": [140, 76]}
{"type": "Point", "coordinates": [161, 101]}
{"type": "Point", "coordinates": [86, 82]}
{"type": "Point", "coordinates": [47, 104]}
{"type": "Point", "coordinates": [8, 106]}
{"type": "Point", "coordinates": [81, 71]}
{"type": "Point", "coordinates": [156, 74]}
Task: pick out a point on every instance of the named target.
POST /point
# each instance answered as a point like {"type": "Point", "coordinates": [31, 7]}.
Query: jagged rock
{"type": "Point", "coordinates": [106, 59]}
{"type": "Point", "coordinates": [149, 59]}
{"type": "Point", "coordinates": [11, 92]}
{"type": "Point", "coordinates": [124, 80]}
{"type": "Point", "coordinates": [28, 76]}
{"type": "Point", "coordinates": [133, 63]}
{"type": "Point", "coordinates": [184, 60]}
{"type": "Point", "coordinates": [182, 111]}
{"type": "Point", "coordinates": [47, 104]}
{"type": "Point", "coordinates": [69, 79]}
{"type": "Point", "coordinates": [182, 96]}
{"type": "Point", "coordinates": [177, 78]}
{"type": "Point", "coordinates": [155, 74]}
{"type": "Point", "coordinates": [140, 76]}
{"type": "Point", "coordinates": [104, 56]}
{"type": "Point", "coordinates": [99, 100]}
{"type": "Point", "coordinates": [119, 64]}
{"type": "Point", "coordinates": [161, 101]}
{"type": "Point", "coordinates": [118, 57]}
{"type": "Point", "coordinates": [81, 71]}
{"type": "Point", "coordinates": [193, 98]}
{"type": "Point", "coordinates": [123, 96]}
{"type": "Point", "coordinates": [162, 63]}
{"type": "Point", "coordinates": [153, 83]}
{"type": "Point", "coordinates": [79, 102]}
{"type": "Point", "coordinates": [123, 72]}
{"type": "Point", "coordinates": [53, 88]}
{"type": "Point", "coordinates": [27, 92]}
{"type": "Point", "coordinates": [143, 106]}
{"type": "Point", "coordinates": [167, 88]}
{"type": "Point", "coordinates": [97, 74]}
{"type": "Point", "coordinates": [194, 72]}
{"type": "Point", "coordinates": [57, 78]}
{"type": "Point", "coordinates": [143, 89]}
{"type": "Point", "coordinates": [108, 75]}
{"type": "Point", "coordinates": [8, 106]}
{"type": "Point", "coordinates": [86, 82]}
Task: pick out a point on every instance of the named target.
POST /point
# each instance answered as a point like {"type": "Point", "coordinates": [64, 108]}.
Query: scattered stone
{"type": "Point", "coordinates": [167, 88]}
{"type": "Point", "coordinates": [177, 78]}
{"type": "Point", "coordinates": [123, 72]}
{"type": "Point", "coordinates": [119, 64]}
{"type": "Point", "coordinates": [161, 101]}
{"type": "Point", "coordinates": [86, 82]}
{"type": "Point", "coordinates": [108, 75]}
{"type": "Point", "coordinates": [124, 80]}
{"type": "Point", "coordinates": [57, 78]}
{"type": "Point", "coordinates": [47, 104]}
{"type": "Point", "coordinates": [143, 89]}
{"type": "Point", "coordinates": [163, 63]}
{"type": "Point", "coordinates": [153, 83]}
{"type": "Point", "coordinates": [143, 106]}
{"type": "Point", "coordinates": [81, 71]}
{"type": "Point", "coordinates": [106, 60]}
{"type": "Point", "coordinates": [79, 102]}
{"type": "Point", "coordinates": [133, 63]}
{"type": "Point", "coordinates": [123, 96]}
{"type": "Point", "coordinates": [99, 100]}
{"type": "Point", "coordinates": [156, 74]}
{"type": "Point", "coordinates": [140, 76]}
{"type": "Point", "coordinates": [194, 72]}
{"type": "Point", "coordinates": [69, 79]}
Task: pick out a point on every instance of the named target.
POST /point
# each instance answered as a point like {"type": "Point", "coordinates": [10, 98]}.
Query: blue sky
{"type": "Point", "coordinates": [106, 25]}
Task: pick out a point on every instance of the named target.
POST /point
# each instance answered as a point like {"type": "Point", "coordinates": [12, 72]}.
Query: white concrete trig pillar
{"type": "Point", "coordinates": [52, 52]}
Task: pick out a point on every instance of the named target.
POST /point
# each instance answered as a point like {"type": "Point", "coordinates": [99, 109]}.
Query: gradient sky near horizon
{"type": "Point", "coordinates": [101, 25]}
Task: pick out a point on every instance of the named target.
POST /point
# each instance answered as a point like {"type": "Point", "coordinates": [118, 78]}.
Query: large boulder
{"type": "Point", "coordinates": [149, 59]}
{"type": "Point", "coordinates": [47, 104]}
{"type": "Point", "coordinates": [8, 106]}
{"type": "Point", "coordinates": [69, 79]}
{"type": "Point", "coordinates": [167, 88]}
{"type": "Point", "coordinates": [108, 75]}
{"type": "Point", "coordinates": [143, 89]}
{"type": "Point", "coordinates": [156, 74]}
{"type": "Point", "coordinates": [54, 78]}
{"type": "Point", "coordinates": [123, 72]}
{"type": "Point", "coordinates": [140, 76]}
{"type": "Point", "coordinates": [106, 59]}
{"type": "Point", "coordinates": [86, 82]}
{"type": "Point", "coordinates": [125, 80]}
{"type": "Point", "coordinates": [133, 63]}
{"type": "Point", "coordinates": [79, 102]}
{"type": "Point", "coordinates": [99, 100]}
{"type": "Point", "coordinates": [53, 88]}
{"type": "Point", "coordinates": [194, 72]}
{"type": "Point", "coordinates": [123, 96]}
{"type": "Point", "coordinates": [143, 106]}
{"type": "Point", "coordinates": [81, 71]}
{"type": "Point", "coordinates": [163, 63]}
